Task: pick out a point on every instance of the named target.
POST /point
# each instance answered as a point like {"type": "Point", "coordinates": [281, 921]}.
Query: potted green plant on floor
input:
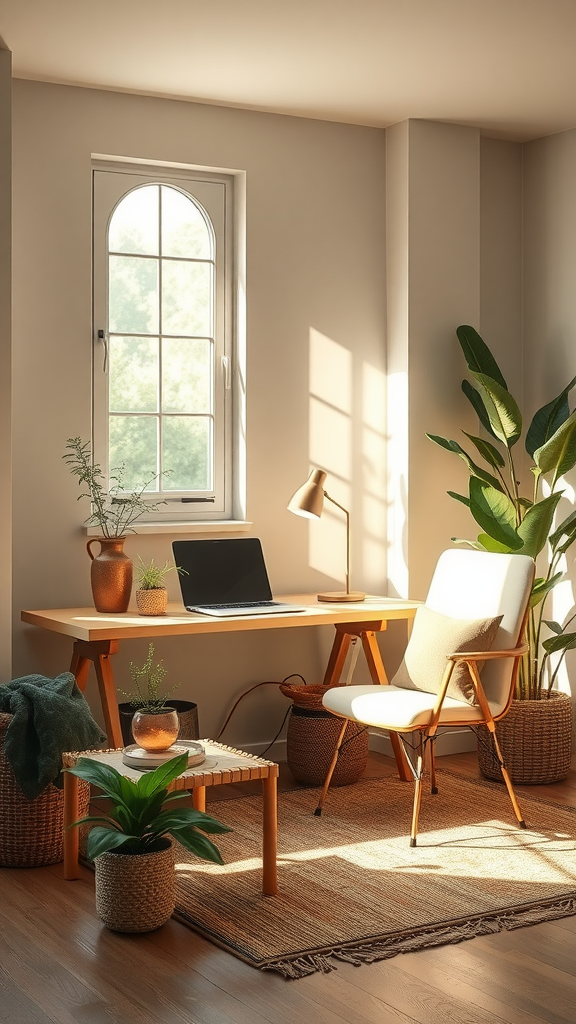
{"type": "Point", "coordinates": [130, 845]}
{"type": "Point", "coordinates": [114, 510]}
{"type": "Point", "coordinates": [151, 592]}
{"type": "Point", "coordinates": [511, 521]}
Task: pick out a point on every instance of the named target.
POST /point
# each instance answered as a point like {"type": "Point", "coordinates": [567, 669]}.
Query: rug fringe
{"type": "Point", "coordinates": [384, 949]}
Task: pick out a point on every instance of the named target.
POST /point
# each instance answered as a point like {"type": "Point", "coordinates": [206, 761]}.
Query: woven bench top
{"type": "Point", "coordinates": [223, 765]}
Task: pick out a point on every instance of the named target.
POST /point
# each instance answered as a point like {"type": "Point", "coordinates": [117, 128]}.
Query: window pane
{"type": "Point", "coordinates": [184, 229]}
{"type": "Point", "coordinates": [186, 298]}
{"type": "Point", "coordinates": [134, 443]}
{"type": "Point", "coordinates": [186, 375]}
{"type": "Point", "coordinates": [133, 295]}
{"type": "Point", "coordinates": [134, 223]}
{"type": "Point", "coordinates": [133, 374]}
{"type": "Point", "coordinates": [186, 453]}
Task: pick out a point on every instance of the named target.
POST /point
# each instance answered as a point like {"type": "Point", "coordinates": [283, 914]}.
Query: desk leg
{"type": "Point", "coordinates": [71, 835]}
{"type": "Point", "coordinates": [199, 798]}
{"type": "Point", "coordinates": [269, 835]}
{"type": "Point", "coordinates": [99, 652]}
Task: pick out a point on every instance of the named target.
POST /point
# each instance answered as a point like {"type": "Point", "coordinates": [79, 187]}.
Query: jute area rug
{"type": "Point", "coordinates": [352, 889]}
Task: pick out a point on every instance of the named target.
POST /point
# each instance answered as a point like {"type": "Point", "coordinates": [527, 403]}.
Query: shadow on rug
{"type": "Point", "coordinates": [352, 889]}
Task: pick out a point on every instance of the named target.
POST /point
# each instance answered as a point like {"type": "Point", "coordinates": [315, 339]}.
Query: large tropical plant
{"type": "Point", "coordinates": [509, 520]}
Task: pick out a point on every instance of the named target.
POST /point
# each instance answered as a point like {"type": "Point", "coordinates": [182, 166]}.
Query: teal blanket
{"type": "Point", "coordinates": [49, 717]}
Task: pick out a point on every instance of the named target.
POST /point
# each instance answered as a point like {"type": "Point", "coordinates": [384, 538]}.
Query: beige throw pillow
{"type": "Point", "coordinates": [433, 637]}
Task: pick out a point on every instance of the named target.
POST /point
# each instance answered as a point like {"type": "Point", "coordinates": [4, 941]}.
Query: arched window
{"type": "Point", "coordinates": [162, 358]}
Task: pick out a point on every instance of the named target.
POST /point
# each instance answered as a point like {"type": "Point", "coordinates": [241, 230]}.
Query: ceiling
{"type": "Point", "coordinates": [506, 66]}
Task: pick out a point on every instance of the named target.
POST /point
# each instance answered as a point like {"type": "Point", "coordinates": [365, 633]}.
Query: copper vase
{"type": "Point", "coordinates": [110, 574]}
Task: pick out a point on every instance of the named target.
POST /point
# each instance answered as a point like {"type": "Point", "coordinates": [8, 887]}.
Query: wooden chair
{"type": "Point", "coordinates": [467, 585]}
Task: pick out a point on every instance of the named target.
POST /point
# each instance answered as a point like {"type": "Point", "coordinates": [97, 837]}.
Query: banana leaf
{"type": "Point", "coordinates": [453, 446]}
{"type": "Point", "coordinates": [558, 455]}
{"type": "Point", "coordinates": [478, 355]}
{"type": "Point", "coordinates": [535, 526]}
{"type": "Point", "coordinates": [503, 412]}
{"type": "Point", "coordinates": [475, 399]}
{"type": "Point", "coordinates": [487, 450]}
{"type": "Point", "coordinates": [546, 421]}
{"type": "Point", "coordinates": [495, 513]}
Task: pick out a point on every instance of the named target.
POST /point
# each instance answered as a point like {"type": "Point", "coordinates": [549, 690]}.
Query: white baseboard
{"type": "Point", "coordinates": [450, 741]}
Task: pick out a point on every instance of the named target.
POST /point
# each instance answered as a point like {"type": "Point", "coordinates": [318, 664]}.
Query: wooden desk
{"type": "Point", "coordinates": [96, 636]}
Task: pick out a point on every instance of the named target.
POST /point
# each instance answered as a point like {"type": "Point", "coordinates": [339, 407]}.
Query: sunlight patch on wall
{"type": "Point", "coordinates": [374, 478]}
{"type": "Point", "coordinates": [330, 448]}
{"type": "Point", "coordinates": [397, 489]}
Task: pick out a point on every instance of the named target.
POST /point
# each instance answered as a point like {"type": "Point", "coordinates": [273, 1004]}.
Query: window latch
{"type": "Point", "coordinates": [226, 371]}
{"type": "Point", "coordinates": [103, 337]}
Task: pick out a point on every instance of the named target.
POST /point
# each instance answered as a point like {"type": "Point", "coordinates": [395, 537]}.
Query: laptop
{"type": "Point", "coordinates": [226, 577]}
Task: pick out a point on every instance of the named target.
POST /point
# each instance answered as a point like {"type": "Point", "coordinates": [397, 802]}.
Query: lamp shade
{"type": "Point", "coordinates": [308, 501]}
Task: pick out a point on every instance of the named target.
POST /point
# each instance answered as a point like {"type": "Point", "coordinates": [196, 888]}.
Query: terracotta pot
{"type": "Point", "coordinates": [155, 731]}
{"type": "Point", "coordinates": [110, 574]}
{"type": "Point", "coordinates": [152, 602]}
{"type": "Point", "coordinates": [135, 892]}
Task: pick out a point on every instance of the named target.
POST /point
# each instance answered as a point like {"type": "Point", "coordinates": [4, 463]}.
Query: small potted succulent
{"type": "Point", "coordinates": [151, 592]}
{"type": "Point", "coordinates": [129, 844]}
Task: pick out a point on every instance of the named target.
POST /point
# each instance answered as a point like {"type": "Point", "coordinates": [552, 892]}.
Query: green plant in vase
{"type": "Point", "coordinates": [113, 509]}
{"type": "Point", "coordinates": [511, 521]}
{"type": "Point", "coordinates": [155, 724]}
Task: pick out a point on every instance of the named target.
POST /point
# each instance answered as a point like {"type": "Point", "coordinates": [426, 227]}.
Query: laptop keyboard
{"type": "Point", "coordinates": [243, 604]}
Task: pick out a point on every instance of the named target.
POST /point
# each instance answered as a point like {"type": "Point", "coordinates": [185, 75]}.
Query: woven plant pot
{"type": "Point", "coordinates": [536, 741]}
{"type": "Point", "coordinates": [135, 892]}
{"type": "Point", "coordinates": [310, 744]}
{"type": "Point", "coordinates": [152, 602]}
{"type": "Point", "coordinates": [31, 830]}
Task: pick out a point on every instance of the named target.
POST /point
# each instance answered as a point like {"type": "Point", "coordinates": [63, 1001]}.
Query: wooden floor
{"type": "Point", "coordinates": [58, 964]}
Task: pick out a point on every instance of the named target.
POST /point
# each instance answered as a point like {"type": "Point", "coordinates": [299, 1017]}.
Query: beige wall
{"type": "Point", "coordinates": [550, 308]}
{"type": "Point", "coordinates": [433, 251]}
{"type": "Point", "coordinates": [315, 268]}
{"type": "Point", "coordinates": [5, 365]}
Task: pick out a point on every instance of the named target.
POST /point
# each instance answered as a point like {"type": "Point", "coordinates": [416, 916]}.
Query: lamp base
{"type": "Point", "coordinates": [341, 595]}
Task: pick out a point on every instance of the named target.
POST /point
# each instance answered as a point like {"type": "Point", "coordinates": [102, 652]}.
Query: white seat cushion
{"type": "Point", "coordinates": [391, 707]}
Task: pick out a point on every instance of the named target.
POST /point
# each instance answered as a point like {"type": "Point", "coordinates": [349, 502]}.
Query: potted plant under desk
{"type": "Point", "coordinates": [133, 856]}
{"type": "Point", "coordinates": [536, 734]}
{"type": "Point", "coordinates": [150, 717]}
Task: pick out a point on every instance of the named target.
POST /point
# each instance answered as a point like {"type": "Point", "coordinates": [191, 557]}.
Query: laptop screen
{"type": "Point", "coordinates": [222, 571]}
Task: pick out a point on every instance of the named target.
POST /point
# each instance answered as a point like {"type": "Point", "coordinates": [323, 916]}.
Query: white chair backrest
{"type": "Point", "coordinates": [471, 584]}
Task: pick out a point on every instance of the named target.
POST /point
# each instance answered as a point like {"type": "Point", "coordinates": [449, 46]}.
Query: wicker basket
{"type": "Point", "coordinates": [135, 892]}
{"type": "Point", "coordinates": [536, 741]}
{"type": "Point", "coordinates": [310, 744]}
{"type": "Point", "coordinates": [305, 696]}
{"type": "Point", "coordinates": [31, 830]}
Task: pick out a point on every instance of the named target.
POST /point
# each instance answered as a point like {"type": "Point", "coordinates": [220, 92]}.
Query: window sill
{"type": "Point", "coordinates": [214, 526]}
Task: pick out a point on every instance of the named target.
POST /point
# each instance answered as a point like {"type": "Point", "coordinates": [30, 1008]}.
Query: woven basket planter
{"type": "Point", "coordinates": [536, 741]}
{"type": "Point", "coordinates": [135, 892]}
{"type": "Point", "coordinates": [152, 602]}
{"type": "Point", "coordinates": [31, 830]}
{"type": "Point", "coordinates": [310, 744]}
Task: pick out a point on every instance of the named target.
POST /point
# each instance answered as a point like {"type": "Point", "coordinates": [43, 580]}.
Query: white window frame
{"type": "Point", "coordinates": [228, 505]}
